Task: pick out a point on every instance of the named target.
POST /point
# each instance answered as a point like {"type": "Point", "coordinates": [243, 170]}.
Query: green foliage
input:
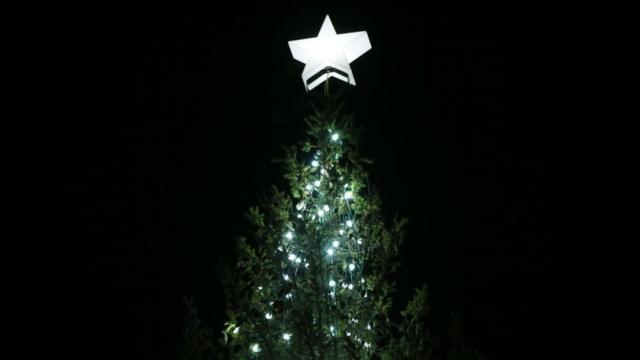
{"type": "Point", "coordinates": [311, 277]}
{"type": "Point", "coordinates": [196, 340]}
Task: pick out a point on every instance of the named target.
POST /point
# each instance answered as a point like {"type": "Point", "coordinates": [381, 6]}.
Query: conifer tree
{"type": "Point", "coordinates": [312, 279]}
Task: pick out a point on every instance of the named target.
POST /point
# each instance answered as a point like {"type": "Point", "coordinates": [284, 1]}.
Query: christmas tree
{"type": "Point", "coordinates": [312, 280]}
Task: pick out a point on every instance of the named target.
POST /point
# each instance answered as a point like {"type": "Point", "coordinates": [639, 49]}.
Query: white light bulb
{"type": "Point", "coordinates": [325, 208]}
{"type": "Point", "coordinates": [335, 243]}
{"type": "Point", "coordinates": [348, 195]}
{"type": "Point", "coordinates": [321, 213]}
{"type": "Point", "coordinates": [352, 267]}
{"type": "Point", "coordinates": [268, 316]}
{"type": "Point", "coordinates": [348, 333]}
{"type": "Point", "coordinates": [286, 277]}
{"type": "Point", "coordinates": [335, 137]}
{"type": "Point", "coordinates": [349, 223]}
{"type": "Point", "coordinates": [350, 286]}
{"type": "Point", "coordinates": [330, 252]}
{"type": "Point", "coordinates": [255, 348]}
{"type": "Point", "coordinates": [259, 287]}
{"type": "Point", "coordinates": [286, 336]}
{"type": "Point", "coordinates": [289, 235]}
{"type": "Point", "coordinates": [359, 241]}
{"type": "Point", "coordinates": [315, 163]}
{"type": "Point", "coordinates": [332, 283]}
{"type": "Point", "coordinates": [316, 183]}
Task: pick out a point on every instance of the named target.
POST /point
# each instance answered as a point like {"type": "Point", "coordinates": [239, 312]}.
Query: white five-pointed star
{"type": "Point", "coordinates": [330, 53]}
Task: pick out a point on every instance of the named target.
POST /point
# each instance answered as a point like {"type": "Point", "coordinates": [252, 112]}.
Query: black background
{"type": "Point", "coordinates": [498, 131]}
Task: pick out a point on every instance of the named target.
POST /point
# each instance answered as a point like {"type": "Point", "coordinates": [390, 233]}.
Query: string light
{"type": "Point", "coordinates": [348, 195]}
{"type": "Point", "coordinates": [315, 163]}
{"type": "Point", "coordinates": [268, 316]}
{"type": "Point", "coordinates": [286, 277]}
{"type": "Point", "coordinates": [336, 243]}
{"type": "Point", "coordinates": [255, 348]}
{"type": "Point", "coordinates": [332, 283]}
{"type": "Point", "coordinates": [288, 296]}
{"type": "Point", "coordinates": [341, 232]}
{"type": "Point", "coordinates": [292, 257]}
{"type": "Point", "coordinates": [350, 286]}
{"type": "Point", "coordinates": [335, 137]}
{"type": "Point", "coordinates": [286, 336]}
{"type": "Point", "coordinates": [309, 187]}
{"type": "Point", "coordinates": [330, 252]}
{"type": "Point", "coordinates": [317, 183]}
{"type": "Point", "coordinates": [325, 208]}
{"type": "Point", "coordinates": [352, 267]}
{"type": "Point", "coordinates": [349, 223]}
{"type": "Point", "coordinates": [289, 235]}
{"type": "Point", "coordinates": [236, 330]}
{"type": "Point", "coordinates": [321, 213]}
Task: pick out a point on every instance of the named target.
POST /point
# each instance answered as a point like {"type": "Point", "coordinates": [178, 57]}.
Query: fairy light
{"type": "Point", "coordinates": [315, 163]}
{"type": "Point", "coordinates": [289, 235]}
{"type": "Point", "coordinates": [349, 223]}
{"type": "Point", "coordinates": [286, 336]}
{"type": "Point", "coordinates": [268, 316]}
{"type": "Point", "coordinates": [348, 195]}
{"type": "Point", "coordinates": [352, 267]}
{"type": "Point", "coordinates": [332, 283]}
{"type": "Point", "coordinates": [321, 213]}
{"type": "Point", "coordinates": [341, 232]}
{"type": "Point", "coordinates": [335, 136]}
{"type": "Point", "coordinates": [255, 348]}
{"type": "Point", "coordinates": [325, 208]}
{"type": "Point", "coordinates": [292, 257]}
{"type": "Point", "coordinates": [336, 243]}
{"type": "Point", "coordinates": [350, 286]}
{"type": "Point", "coordinates": [330, 252]}
{"type": "Point", "coordinates": [317, 183]}
{"type": "Point", "coordinates": [286, 277]}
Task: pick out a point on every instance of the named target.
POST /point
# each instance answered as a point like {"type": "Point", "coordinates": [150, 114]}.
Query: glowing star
{"type": "Point", "coordinates": [329, 54]}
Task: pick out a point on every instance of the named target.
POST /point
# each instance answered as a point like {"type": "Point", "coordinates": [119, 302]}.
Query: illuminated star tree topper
{"type": "Point", "coordinates": [329, 54]}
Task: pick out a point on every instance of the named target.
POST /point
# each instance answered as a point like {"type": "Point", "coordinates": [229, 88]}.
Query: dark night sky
{"type": "Point", "coordinates": [497, 131]}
